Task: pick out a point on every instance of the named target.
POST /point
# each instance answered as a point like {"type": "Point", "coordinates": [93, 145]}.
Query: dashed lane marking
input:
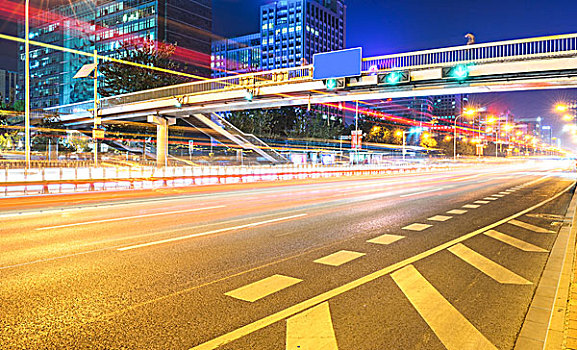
{"type": "Point", "coordinates": [487, 266]}
{"type": "Point", "coordinates": [440, 218]}
{"type": "Point", "coordinates": [265, 287]}
{"type": "Point", "coordinates": [499, 195]}
{"type": "Point", "coordinates": [283, 314]}
{"type": "Point", "coordinates": [339, 258]}
{"type": "Point", "coordinates": [385, 239]}
{"type": "Point", "coordinates": [514, 242]}
{"type": "Point", "coordinates": [448, 324]}
{"type": "Point", "coordinates": [481, 202]}
{"type": "Point", "coordinates": [312, 329]}
{"type": "Point", "coordinates": [457, 212]}
{"type": "Point", "coordinates": [417, 227]}
{"type": "Point", "coordinates": [130, 217]}
{"type": "Point", "coordinates": [529, 226]}
{"type": "Point", "coordinates": [490, 199]}
{"type": "Point", "coordinates": [505, 192]}
{"type": "Point", "coordinates": [471, 206]}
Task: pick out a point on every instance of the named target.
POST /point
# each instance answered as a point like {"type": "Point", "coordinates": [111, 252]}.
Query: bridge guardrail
{"type": "Point", "coordinates": [554, 46]}
{"type": "Point", "coordinates": [43, 181]}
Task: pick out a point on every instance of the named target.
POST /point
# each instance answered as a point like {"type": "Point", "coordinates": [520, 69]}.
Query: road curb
{"type": "Point", "coordinates": [544, 324]}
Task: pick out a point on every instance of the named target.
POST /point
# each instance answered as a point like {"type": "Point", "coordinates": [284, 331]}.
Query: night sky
{"type": "Point", "coordinates": [383, 27]}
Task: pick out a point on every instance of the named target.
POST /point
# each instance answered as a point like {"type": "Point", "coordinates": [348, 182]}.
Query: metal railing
{"type": "Point", "coordinates": [511, 50]}
{"type": "Point", "coordinates": [540, 47]}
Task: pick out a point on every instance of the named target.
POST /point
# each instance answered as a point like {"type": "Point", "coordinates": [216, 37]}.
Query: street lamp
{"type": "Point", "coordinates": [469, 113]}
{"type": "Point", "coordinates": [402, 133]}
{"type": "Point", "coordinates": [27, 84]}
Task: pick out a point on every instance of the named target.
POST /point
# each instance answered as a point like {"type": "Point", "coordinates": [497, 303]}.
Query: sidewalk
{"type": "Point", "coordinates": [570, 333]}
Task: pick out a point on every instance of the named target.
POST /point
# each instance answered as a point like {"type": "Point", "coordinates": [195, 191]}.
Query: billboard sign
{"type": "Point", "coordinates": [337, 64]}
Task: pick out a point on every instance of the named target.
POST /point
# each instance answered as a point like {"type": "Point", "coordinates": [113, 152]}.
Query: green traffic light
{"type": "Point", "coordinates": [331, 84]}
{"type": "Point", "coordinates": [460, 72]}
{"type": "Point", "coordinates": [394, 77]}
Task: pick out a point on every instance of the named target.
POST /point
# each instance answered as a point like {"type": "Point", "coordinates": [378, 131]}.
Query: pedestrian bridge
{"type": "Point", "coordinates": [514, 65]}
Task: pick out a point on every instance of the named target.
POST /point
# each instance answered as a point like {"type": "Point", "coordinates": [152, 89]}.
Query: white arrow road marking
{"type": "Point", "coordinates": [487, 266]}
{"type": "Point", "coordinates": [514, 242]}
{"type": "Point", "coordinates": [448, 324]}
{"type": "Point", "coordinates": [311, 330]}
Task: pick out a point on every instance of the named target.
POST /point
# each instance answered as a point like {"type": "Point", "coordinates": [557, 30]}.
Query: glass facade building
{"type": "Point", "coordinates": [103, 25]}
{"type": "Point", "coordinates": [240, 55]}
{"type": "Point", "coordinates": [8, 86]}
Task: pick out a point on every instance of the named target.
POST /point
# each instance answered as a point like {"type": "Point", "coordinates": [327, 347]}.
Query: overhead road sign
{"type": "Point", "coordinates": [337, 64]}
{"type": "Point", "coordinates": [394, 77]}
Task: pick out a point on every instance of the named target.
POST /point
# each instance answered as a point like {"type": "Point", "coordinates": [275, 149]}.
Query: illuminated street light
{"type": "Point", "coordinates": [561, 108]}
{"type": "Point", "coordinates": [567, 117]}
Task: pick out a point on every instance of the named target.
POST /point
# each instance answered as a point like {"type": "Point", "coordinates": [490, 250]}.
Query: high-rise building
{"type": "Point", "coordinates": [188, 24]}
{"type": "Point", "coordinates": [240, 55]}
{"type": "Point", "coordinates": [8, 86]}
{"type": "Point", "coordinates": [292, 31]}
{"type": "Point", "coordinates": [51, 71]}
{"type": "Point", "coordinates": [103, 25]}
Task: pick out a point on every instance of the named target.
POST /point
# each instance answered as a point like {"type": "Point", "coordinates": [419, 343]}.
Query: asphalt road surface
{"type": "Point", "coordinates": [444, 260]}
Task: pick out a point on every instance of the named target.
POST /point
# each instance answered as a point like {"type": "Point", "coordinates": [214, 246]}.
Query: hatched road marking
{"type": "Point", "coordinates": [385, 239]}
{"type": "Point", "coordinates": [529, 226]}
{"type": "Point", "coordinates": [339, 258]}
{"type": "Point", "coordinates": [283, 314]}
{"type": "Point", "coordinates": [417, 227]}
{"type": "Point", "coordinates": [265, 287]}
{"type": "Point", "coordinates": [311, 330]}
{"type": "Point", "coordinates": [514, 242]}
{"type": "Point", "coordinates": [471, 206]}
{"type": "Point", "coordinates": [440, 218]}
{"type": "Point", "coordinates": [130, 217]}
{"type": "Point", "coordinates": [487, 266]}
{"type": "Point", "coordinates": [457, 212]}
{"type": "Point", "coordinates": [448, 324]}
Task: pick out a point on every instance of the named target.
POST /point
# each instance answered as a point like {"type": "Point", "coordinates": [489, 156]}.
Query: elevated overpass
{"type": "Point", "coordinates": [514, 65]}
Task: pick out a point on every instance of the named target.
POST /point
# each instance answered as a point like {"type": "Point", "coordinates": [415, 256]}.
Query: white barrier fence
{"type": "Point", "coordinates": [17, 182]}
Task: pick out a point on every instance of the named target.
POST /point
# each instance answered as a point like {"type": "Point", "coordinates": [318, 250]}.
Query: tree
{"type": "Point", "coordinates": [122, 78]}
{"type": "Point", "coordinates": [428, 141]}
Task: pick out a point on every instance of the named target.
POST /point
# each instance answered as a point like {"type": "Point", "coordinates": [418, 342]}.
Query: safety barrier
{"type": "Point", "coordinates": [18, 182]}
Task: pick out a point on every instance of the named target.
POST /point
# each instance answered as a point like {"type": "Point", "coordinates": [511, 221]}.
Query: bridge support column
{"type": "Point", "coordinates": [162, 124]}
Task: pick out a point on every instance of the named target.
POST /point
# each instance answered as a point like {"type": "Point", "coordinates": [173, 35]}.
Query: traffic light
{"type": "Point", "coordinates": [394, 78]}
{"type": "Point", "coordinates": [459, 72]}
{"type": "Point", "coordinates": [335, 84]}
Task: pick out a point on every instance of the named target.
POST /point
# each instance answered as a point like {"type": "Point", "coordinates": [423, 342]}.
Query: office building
{"type": "Point", "coordinates": [8, 87]}
{"type": "Point", "coordinates": [292, 31]}
{"type": "Point", "coordinates": [239, 55]}
{"type": "Point", "coordinates": [103, 25]}
{"type": "Point", "coordinates": [188, 24]}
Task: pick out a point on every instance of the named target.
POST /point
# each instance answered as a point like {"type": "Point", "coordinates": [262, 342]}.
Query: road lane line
{"type": "Point", "coordinates": [417, 227]}
{"type": "Point", "coordinates": [505, 192]}
{"type": "Point", "coordinates": [487, 266]}
{"type": "Point", "coordinates": [265, 287]}
{"type": "Point", "coordinates": [339, 258]}
{"type": "Point", "coordinates": [422, 192]}
{"type": "Point", "coordinates": [529, 226]}
{"type": "Point", "coordinates": [514, 242]}
{"type": "Point", "coordinates": [440, 218]}
{"type": "Point", "coordinates": [130, 217]}
{"type": "Point", "coordinates": [175, 239]}
{"type": "Point", "coordinates": [448, 324]}
{"type": "Point", "coordinates": [490, 199]}
{"type": "Point", "coordinates": [307, 304]}
{"type": "Point", "coordinates": [385, 239]}
{"type": "Point", "coordinates": [499, 195]}
{"type": "Point", "coordinates": [481, 202]}
{"type": "Point", "coordinates": [457, 212]}
{"type": "Point", "coordinates": [471, 206]}
{"type": "Point", "coordinates": [311, 330]}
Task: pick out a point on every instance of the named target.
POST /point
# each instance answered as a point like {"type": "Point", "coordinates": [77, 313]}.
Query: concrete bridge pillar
{"type": "Point", "coordinates": [162, 124]}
